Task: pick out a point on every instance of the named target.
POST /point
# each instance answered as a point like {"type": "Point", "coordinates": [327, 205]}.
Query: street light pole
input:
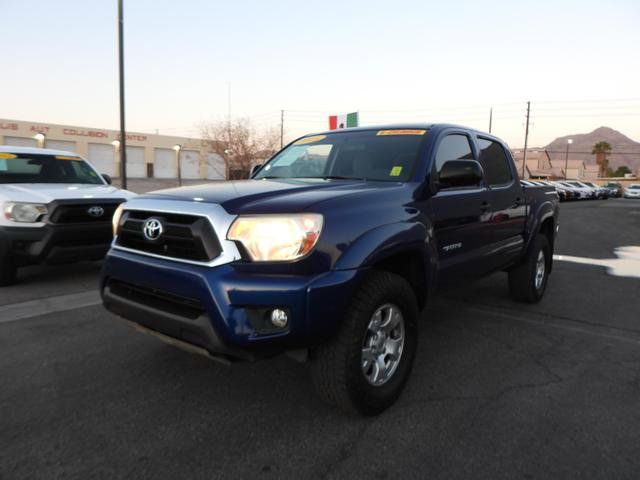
{"type": "Point", "coordinates": [566, 158]}
{"type": "Point", "coordinates": [123, 140]}
{"type": "Point", "coordinates": [178, 148]}
{"type": "Point", "coordinates": [526, 139]}
{"type": "Point", "coordinates": [281, 128]}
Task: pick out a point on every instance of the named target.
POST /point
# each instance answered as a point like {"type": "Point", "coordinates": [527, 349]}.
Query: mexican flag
{"type": "Point", "coordinates": [347, 120]}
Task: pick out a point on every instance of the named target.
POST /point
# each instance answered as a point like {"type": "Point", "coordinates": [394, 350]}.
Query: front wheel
{"type": "Point", "coordinates": [528, 280]}
{"type": "Point", "coordinates": [365, 366]}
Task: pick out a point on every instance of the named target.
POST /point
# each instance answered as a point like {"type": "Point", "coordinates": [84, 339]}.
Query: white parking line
{"type": "Point", "coordinates": [626, 265]}
{"type": "Point", "coordinates": [61, 303]}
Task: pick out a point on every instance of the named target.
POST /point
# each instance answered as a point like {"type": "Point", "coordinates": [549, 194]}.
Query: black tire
{"type": "Point", "coordinates": [8, 272]}
{"type": "Point", "coordinates": [337, 368]}
{"type": "Point", "coordinates": [522, 277]}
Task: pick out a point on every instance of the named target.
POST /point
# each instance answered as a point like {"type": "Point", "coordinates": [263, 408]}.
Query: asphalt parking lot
{"type": "Point", "coordinates": [499, 389]}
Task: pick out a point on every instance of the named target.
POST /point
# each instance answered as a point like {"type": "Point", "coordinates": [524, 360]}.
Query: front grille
{"type": "Point", "coordinates": [188, 237]}
{"type": "Point", "coordinates": [79, 213]}
{"type": "Point", "coordinates": [167, 302]}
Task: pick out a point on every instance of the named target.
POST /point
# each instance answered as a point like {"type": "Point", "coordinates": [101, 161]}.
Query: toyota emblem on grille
{"type": "Point", "coordinates": [152, 229]}
{"type": "Point", "coordinates": [95, 211]}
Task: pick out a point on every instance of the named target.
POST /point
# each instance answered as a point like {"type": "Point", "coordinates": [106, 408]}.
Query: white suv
{"type": "Point", "coordinates": [55, 208]}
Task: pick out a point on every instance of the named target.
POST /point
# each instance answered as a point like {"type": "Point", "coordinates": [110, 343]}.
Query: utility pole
{"type": "Point", "coordinates": [123, 136]}
{"type": "Point", "coordinates": [526, 139]}
{"type": "Point", "coordinates": [490, 118]}
{"type": "Point", "coordinates": [281, 128]}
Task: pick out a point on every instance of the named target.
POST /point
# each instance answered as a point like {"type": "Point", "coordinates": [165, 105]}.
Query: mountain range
{"type": "Point", "coordinates": [624, 151]}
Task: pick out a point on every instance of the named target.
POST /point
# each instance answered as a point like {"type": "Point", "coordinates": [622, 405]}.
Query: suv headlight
{"type": "Point", "coordinates": [24, 212]}
{"type": "Point", "coordinates": [269, 238]}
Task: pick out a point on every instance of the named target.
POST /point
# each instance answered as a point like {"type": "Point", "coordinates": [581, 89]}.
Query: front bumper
{"type": "Point", "coordinates": [222, 310]}
{"type": "Point", "coordinates": [50, 243]}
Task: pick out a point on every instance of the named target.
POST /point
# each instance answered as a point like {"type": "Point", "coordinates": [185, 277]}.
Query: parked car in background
{"type": "Point", "coordinates": [601, 192]}
{"type": "Point", "coordinates": [563, 193]}
{"type": "Point", "coordinates": [591, 192]}
{"type": "Point", "coordinates": [632, 191]}
{"type": "Point", "coordinates": [539, 183]}
{"type": "Point", "coordinates": [56, 208]}
{"type": "Point", "coordinates": [576, 193]}
{"type": "Point", "coordinates": [615, 189]}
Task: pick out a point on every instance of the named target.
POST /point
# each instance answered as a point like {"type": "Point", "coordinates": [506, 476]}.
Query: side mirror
{"type": "Point", "coordinates": [460, 173]}
{"type": "Point", "coordinates": [107, 178]}
{"type": "Point", "coordinates": [255, 170]}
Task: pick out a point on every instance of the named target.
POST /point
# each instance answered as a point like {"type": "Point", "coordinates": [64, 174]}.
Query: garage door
{"type": "Point", "coordinates": [215, 167]}
{"type": "Point", "coordinates": [135, 162]}
{"type": "Point", "coordinates": [164, 163]}
{"type": "Point", "coordinates": [102, 157]}
{"type": "Point", "coordinates": [60, 145]}
{"type": "Point", "coordinates": [20, 141]}
{"type": "Point", "coordinates": [190, 164]}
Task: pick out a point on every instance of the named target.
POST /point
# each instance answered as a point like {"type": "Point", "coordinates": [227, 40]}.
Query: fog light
{"type": "Point", "coordinates": [279, 318]}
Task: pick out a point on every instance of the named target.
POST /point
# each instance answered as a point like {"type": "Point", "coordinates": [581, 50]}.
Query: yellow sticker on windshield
{"type": "Point", "coordinates": [395, 171]}
{"type": "Point", "coordinates": [66, 157]}
{"type": "Point", "coordinates": [401, 132]}
{"type": "Point", "coordinates": [314, 138]}
{"type": "Point", "coordinates": [8, 155]}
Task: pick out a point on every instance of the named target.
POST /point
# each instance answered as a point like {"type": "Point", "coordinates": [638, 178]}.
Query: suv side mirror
{"type": "Point", "coordinates": [255, 170]}
{"type": "Point", "coordinates": [460, 173]}
{"type": "Point", "coordinates": [107, 178]}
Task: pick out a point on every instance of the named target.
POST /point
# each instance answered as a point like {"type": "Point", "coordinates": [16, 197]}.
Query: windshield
{"type": "Point", "coordinates": [35, 168]}
{"type": "Point", "coordinates": [634, 187]}
{"type": "Point", "coordinates": [383, 155]}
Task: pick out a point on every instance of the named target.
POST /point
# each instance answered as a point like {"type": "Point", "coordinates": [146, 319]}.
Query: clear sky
{"type": "Point", "coordinates": [577, 61]}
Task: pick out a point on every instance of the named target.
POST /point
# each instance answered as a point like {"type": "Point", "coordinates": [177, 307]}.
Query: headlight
{"type": "Point", "coordinates": [24, 212]}
{"type": "Point", "coordinates": [115, 221]}
{"type": "Point", "coordinates": [269, 238]}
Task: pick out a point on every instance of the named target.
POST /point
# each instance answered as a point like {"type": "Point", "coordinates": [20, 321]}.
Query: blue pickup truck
{"type": "Point", "coordinates": [330, 252]}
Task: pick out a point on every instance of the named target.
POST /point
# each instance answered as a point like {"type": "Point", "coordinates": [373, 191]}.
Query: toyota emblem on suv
{"type": "Point", "coordinates": [152, 229]}
{"type": "Point", "coordinates": [95, 211]}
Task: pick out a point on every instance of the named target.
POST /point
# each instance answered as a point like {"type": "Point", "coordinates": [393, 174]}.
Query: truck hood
{"type": "Point", "coordinates": [47, 192]}
{"type": "Point", "coordinates": [270, 195]}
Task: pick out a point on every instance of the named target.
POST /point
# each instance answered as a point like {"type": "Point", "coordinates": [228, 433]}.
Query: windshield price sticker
{"type": "Point", "coordinates": [400, 132]}
{"type": "Point", "coordinates": [395, 171]}
{"type": "Point", "coordinates": [305, 140]}
{"type": "Point", "coordinates": [7, 155]}
{"type": "Point", "coordinates": [66, 157]}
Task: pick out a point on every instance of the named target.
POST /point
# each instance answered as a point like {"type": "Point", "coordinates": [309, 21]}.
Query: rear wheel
{"type": "Point", "coordinates": [528, 280]}
{"type": "Point", "coordinates": [365, 366]}
{"type": "Point", "coordinates": [8, 272]}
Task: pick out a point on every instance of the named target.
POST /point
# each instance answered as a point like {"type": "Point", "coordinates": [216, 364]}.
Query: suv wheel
{"type": "Point", "coordinates": [8, 272]}
{"type": "Point", "coordinates": [528, 280]}
{"type": "Point", "coordinates": [365, 366]}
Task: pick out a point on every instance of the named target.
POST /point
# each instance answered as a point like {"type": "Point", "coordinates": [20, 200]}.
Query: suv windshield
{"type": "Point", "coordinates": [30, 168]}
{"type": "Point", "coordinates": [384, 155]}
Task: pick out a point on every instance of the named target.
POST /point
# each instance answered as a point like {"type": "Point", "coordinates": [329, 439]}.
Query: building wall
{"type": "Point", "coordinates": [144, 150]}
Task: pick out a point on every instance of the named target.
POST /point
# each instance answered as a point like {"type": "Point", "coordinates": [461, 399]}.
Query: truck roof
{"type": "Point", "coordinates": [34, 150]}
{"type": "Point", "coordinates": [407, 126]}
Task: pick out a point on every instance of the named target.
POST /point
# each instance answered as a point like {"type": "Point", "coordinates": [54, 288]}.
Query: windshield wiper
{"type": "Point", "coordinates": [340, 177]}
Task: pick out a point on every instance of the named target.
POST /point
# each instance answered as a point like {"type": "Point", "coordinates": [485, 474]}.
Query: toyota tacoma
{"type": "Point", "coordinates": [330, 251]}
{"type": "Point", "coordinates": [56, 208]}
